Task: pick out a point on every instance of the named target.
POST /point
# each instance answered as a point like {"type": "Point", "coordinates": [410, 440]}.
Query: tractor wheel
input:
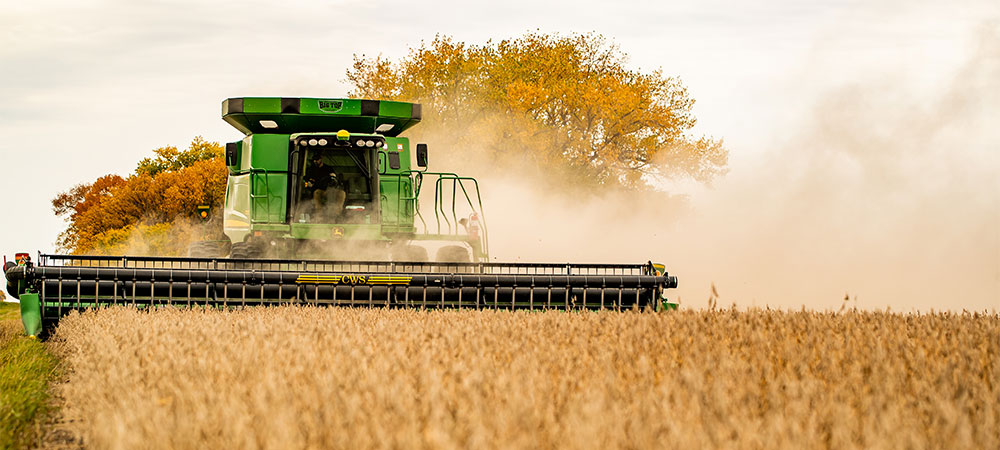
{"type": "Point", "coordinates": [410, 253]}
{"type": "Point", "coordinates": [246, 250]}
{"type": "Point", "coordinates": [11, 287]}
{"type": "Point", "coordinates": [208, 249]}
{"type": "Point", "coordinates": [453, 253]}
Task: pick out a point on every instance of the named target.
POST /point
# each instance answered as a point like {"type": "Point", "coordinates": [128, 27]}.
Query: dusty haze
{"type": "Point", "coordinates": [882, 193]}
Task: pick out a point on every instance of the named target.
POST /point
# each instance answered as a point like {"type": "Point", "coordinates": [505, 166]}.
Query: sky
{"type": "Point", "coordinates": [91, 87]}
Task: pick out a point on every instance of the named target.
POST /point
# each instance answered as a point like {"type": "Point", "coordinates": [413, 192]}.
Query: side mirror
{"type": "Point", "coordinates": [421, 155]}
{"type": "Point", "coordinates": [231, 153]}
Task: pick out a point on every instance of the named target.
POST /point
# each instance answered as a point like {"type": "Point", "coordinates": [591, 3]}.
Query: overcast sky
{"type": "Point", "coordinates": [90, 87]}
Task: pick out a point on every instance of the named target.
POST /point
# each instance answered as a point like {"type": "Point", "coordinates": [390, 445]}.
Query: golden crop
{"type": "Point", "coordinates": [292, 377]}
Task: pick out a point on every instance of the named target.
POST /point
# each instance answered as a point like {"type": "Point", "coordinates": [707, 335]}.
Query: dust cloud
{"type": "Point", "coordinates": [888, 197]}
{"type": "Point", "coordinates": [152, 238]}
{"type": "Point", "coordinates": [880, 197]}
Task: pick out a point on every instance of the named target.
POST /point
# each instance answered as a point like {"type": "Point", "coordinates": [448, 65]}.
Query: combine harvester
{"type": "Point", "coordinates": [321, 209]}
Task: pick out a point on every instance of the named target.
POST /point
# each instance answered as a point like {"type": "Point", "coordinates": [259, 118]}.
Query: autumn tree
{"type": "Point", "coordinates": [151, 210]}
{"type": "Point", "coordinates": [553, 104]}
{"type": "Point", "coordinates": [171, 159]}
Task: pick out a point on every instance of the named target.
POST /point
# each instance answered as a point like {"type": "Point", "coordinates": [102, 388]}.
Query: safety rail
{"type": "Point", "coordinates": [411, 205]}
{"type": "Point", "coordinates": [328, 266]}
{"type": "Point", "coordinates": [254, 216]}
{"type": "Point", "coordinates": [439, 203]}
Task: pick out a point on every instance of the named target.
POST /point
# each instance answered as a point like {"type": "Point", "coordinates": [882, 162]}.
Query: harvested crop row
{"type": "Point", "coordinates": [294, 377]}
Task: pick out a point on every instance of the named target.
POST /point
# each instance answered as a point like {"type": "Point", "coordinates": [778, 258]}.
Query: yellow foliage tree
{"type": "Point", "coordinates": [552, 104]}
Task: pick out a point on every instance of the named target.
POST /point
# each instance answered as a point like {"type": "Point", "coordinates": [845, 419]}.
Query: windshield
{"type": "Point", "coordinates": [335, 187]}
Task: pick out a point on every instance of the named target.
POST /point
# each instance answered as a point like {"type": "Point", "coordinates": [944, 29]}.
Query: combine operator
{"type": "Point", "coordinates": [327, 192]}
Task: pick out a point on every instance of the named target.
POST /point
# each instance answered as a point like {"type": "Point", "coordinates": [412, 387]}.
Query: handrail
{"type": "Point", "coordinates": [416, 178]}
{"type": "Point", "coordinates": [459, 181]}
{"type": "Point", "coordinates": [254, 197]}
{"type": "Point", "coordinates": [319, 265]}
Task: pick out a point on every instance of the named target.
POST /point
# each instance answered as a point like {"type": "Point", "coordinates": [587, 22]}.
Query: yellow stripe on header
{"type": "Point", "coordinates": [389, 280]}
{"type": "Point", "coordinates": [319, 279]}
{"type": "Point", "coordinates": [354, 279]}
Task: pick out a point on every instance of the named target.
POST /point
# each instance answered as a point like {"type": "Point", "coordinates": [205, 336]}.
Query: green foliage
{"type": "Point", "coordinates": [171, 159]}
{"type": "Point", "coordinates": [26, 369]}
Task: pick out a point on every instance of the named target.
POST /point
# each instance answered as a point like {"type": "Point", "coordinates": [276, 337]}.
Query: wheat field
{"type": "Point", "coordinates": [299, 377]}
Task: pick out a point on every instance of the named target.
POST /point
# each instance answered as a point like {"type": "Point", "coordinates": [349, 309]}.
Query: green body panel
{"type": "Point", "coordinates": [397, 190]}
{"type": "Point", "coordinates": [399, 145]}
{"type": "Point", "coordinates": [322, 231]}
{"type": "Point", "coordinates": [272, 227]}
{"type": "Point", "coordinates": [261, 105]}
{"type": "Point", "coordinates": [31, 314]}
{"type": "Point", "coordinates": [268, 200]}
{"type": "Point", "coordinates": [269, 152]}
{"type": "Point", "coordinates": [394, 109]}
{"type": "Point", "coordinates": [404, 232]}
{"type": "Point", "coordinates": [396, 209]}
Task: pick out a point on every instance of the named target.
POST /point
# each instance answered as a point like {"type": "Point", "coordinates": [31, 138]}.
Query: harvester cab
{"type": "Point", "coordinates": [333, 178]}
{"type": "Point", "coordinates": [321, 208]}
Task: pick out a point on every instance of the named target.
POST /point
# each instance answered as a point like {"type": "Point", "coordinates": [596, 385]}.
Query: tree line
{"type": "Point", "coordinates": [566, 109]}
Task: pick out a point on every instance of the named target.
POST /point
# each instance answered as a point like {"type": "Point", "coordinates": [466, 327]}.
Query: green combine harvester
{"type": "Point", "coordinates": [322, 208]}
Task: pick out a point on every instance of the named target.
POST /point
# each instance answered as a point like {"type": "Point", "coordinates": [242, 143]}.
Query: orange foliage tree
{"type": "Point", "coordinates": [551, 104]}
{"type": "Point", "coordinates": [152, 211]}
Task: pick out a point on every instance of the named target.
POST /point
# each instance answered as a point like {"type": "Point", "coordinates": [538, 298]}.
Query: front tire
{"type": "Point", "coordinates": [246, 250]}
{"type": "Point", "coordinates": [410, 253]}
{"type": "Point", "coordinates": [208, 249]}
{"type": "Point", "coordinates": [453, 253]}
